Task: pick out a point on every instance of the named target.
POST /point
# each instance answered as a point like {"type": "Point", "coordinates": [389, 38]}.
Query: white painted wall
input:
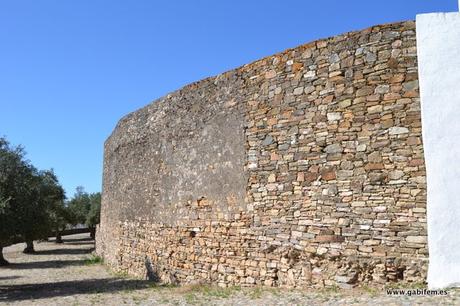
{"type": "Point", "coordinates": [438, 47]}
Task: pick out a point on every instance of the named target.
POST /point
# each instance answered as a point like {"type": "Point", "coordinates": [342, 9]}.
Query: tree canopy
{"type": "Point", "coordinates": [32, 201]}
{"type": "Point", "coordinates": [85, 207]}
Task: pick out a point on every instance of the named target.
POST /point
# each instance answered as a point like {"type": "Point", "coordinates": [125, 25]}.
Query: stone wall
{"type": "Point", "coordinates": [304, 168]}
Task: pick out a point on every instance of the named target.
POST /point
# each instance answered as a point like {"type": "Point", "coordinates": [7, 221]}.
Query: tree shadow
{"type": "Point", "coordinates": [73, 241]}
{"type": "Point", "coordinates": [49, 264]}
{"type": "Point", "coordinates": [9, 277]}
{"type": "Point", "coordinates": [63, 251]}
{"type": "Point", "coordinates": [11, 293]}
{"type": "Point", "coordinates": [89, 242]}
{"type": "Point", "coordinates": [66, 240]}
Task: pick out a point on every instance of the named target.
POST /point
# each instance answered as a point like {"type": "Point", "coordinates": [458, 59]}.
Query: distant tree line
{"type": "Point", "coordinates": [33, 204]}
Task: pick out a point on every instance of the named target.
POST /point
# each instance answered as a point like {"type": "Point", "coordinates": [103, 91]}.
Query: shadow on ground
{"type": "Point", "coordinates": [2, 278]}
{"type": "Point", "coordinates": [89, 242]}
{"type": "Point", "coordinates": [49, 264]}
{"type": "Point", "coordinates": [11, 293]}
{"type": "Point", "coordinates": [87, 239]}
{"type": "Point", "coordinates": [63, 252]}
{"type": "Point", "coordinates": [74, 241]}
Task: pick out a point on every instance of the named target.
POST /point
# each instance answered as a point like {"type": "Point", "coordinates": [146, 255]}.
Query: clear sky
{"type": "Point", "coordinates": [69, 70]}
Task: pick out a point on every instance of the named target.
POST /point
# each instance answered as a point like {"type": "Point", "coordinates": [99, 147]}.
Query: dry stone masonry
{"type": "Point", "coordinates": [301, 169]}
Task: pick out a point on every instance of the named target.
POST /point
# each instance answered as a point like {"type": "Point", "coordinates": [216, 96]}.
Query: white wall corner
{"type": "Point", "coordinates": [438, 49]}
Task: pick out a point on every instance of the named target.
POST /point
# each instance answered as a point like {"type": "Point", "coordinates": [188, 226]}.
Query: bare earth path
{"type": "Point", "coordinates": [65, 274]}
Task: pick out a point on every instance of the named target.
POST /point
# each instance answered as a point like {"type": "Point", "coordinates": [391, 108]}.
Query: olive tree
{"type": "Point", "coordinates": [13, 173]}
{"type": "Point", "coordinates": [28, 199]}
{"type": "Point", "coordinates": [44, 208]}
{"type": "Point", "coordinates": [94, 214]}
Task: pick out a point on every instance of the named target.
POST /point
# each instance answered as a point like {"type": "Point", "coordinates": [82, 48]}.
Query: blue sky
{"type": "Point", "coordinates": [69, 70]}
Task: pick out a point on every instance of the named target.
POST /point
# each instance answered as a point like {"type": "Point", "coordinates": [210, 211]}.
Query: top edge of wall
{"type": "Point", "coordinates": [303, 46]}
{"type": "Point", "coordinates": [260, 62]}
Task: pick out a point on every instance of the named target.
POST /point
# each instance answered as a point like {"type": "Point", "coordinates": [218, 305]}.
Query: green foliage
{"type": "Point", "coordinates": [93, 260]}
{"type": "Point", "coordinates": [79, 206]}
{"type": "Point", "coordinates": [84, 208]}
{"type": "Point", "coordinates": [4, 205]}
{"type": "Point", "coordinates": [31, 200]}
{"type": "Point", "coordinates": [94, 214]}
{"type": "Point", "coordinates": [42, 205]}
{"type": "Point", "coordinates": [13, 172]}
{"type": "Point", "coordinates": [51, 198]}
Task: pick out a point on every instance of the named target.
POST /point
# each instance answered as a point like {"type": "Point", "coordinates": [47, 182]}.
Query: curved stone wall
{"type": "Point", "coordinates": [304, 168]}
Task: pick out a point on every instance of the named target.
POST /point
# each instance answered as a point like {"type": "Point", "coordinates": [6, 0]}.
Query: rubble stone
{"type": "Point", "coordinates": [301, 169]}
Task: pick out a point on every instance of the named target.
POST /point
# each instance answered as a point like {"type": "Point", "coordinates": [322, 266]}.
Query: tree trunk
{"type": "Point", "coordinates": [29, 247]}
{"type": "Point", "coordinates": [93, 233]}
{"type": "Point", "coordinates": [3, 261]}
{"type": "Point", "coordinates": [58, 237]}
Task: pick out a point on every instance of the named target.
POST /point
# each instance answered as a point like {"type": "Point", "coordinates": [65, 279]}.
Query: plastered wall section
{"type": "Point", "coordinates": [438, 43]}
{"type": "Point", "coordinates": [304, 168]}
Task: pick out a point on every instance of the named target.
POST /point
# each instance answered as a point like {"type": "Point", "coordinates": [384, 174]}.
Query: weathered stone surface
{"type": "Point", "coordinates": [302, 169]}
{"type": "Point", "coordinates": [374, 157]}
{"type": "Point", "coordinates": [333, 148]}
{"type": "Point", "coordinates": [334, 116]}
{"type": "Point", "coordinates": [396, 130]}
{"type": "Point", "coordinates": [416, 239]}
{"type": "Point", "coordinates": [410, 85]}
{"type": "Point", "coordinates": [395, 175]}
{"type": "Point", "coordinates": [267, 140]}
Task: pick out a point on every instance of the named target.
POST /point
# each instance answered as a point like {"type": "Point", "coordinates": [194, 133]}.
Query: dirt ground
{"type": "Point", "coordinates": [68, 274]}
